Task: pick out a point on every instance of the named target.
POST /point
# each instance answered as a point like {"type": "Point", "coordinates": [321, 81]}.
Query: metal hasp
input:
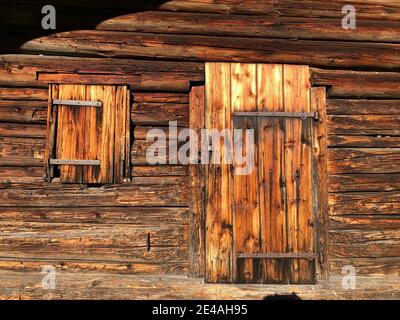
{"type": "Point", "coordinates": [301, 115]}
{"type": "Point", "coordinates": [76, 103]}
{"type": "Point", "coordinates": [272, 255]}
{"type": "Point", "coordinates": [75, 162]}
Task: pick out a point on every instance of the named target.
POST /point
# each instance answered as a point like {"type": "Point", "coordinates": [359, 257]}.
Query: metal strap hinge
{"type": "Point", "coordinates": [75, 162]}
{"type": "Point", "coordinates": [76, 103]}
{"type": "Point", "coordinates": [273, 255]}
{"type": "Point", "coordinates": [301, 115]}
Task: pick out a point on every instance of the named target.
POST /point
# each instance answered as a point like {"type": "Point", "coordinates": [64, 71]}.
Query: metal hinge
{"type": "Point", "coordinates": [76, 103]}
{"type": "Point", "coordinates": [301, 115]}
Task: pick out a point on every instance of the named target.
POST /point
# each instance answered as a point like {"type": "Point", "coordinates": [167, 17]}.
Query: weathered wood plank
{"type": "Point", "coordinates": [271, 166]}
{"type": "Point", "coordinates": [98, 215]}
{"type": "Point", "coordinates": [364, 182]}
{"type": "Point", "coordinates": [246, 193]}
{"type": "Point", "coordinates": [320, 181]}
{"type": "Point", "coordinates": [197, 187]}
{"type": "Point", "coordinates": [368, 266]}
{"type": "Point", "coordinates": [364, 203]}
{"type": "Point", "coordinates": [24, 148]}
{"type": "Point", "coordinates": [363, 160]}
{"type": "Point", "coordinates": [362, 106]}
{"type": "Point", "coordinates": [264, 26]}
{"type": "Point", "coordinates": [163, 170]}
{"type": "Point", "coordinates": [364, 125]}
{"type": "Point", "coordinates": [358, 84]}
{"type": "Point", "coordinates": [23, 111]}
{"type": "Point", "coordinates": [160, 113]}
{"type": "Point", "coordinates": [367, 244]}
{"type": "Point", "coordinates": [81, 266]}
{"type": "Point", "coordinates": [21, 174]}
{"type": "Point", "coordinates": [160, 97]}
{"type": "Point", "coordinates": [59, 195]}
{"type": "Point", "coordinates": [365, 222]}
{"type": "Point", "coordinates": [22, 130]}
{"type": "Point", "coordinates": [357, 141]}
{"type": "Point", "coordinates": [219, 229]}
{"type": "Point", "coordinates": [23, 94]}
{"type": "Point", "coordinates": [210, 48]}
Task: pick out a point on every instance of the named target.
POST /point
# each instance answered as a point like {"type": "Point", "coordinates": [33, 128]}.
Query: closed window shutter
{"type": "Point", "coordinates": [97, 136]}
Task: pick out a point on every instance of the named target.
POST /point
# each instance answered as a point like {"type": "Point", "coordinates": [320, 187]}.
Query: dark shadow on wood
{"type": "Point", "coordinates": [20, 20]}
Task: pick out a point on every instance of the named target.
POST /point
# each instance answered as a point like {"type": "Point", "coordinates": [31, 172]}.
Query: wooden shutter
{"type": "Point", "coordinates": [259, 227]}
{"type": "Point", "coordinates": [89, 133]}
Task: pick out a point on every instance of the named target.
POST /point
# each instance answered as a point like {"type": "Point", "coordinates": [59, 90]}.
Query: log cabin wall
{"type": "Point", "coordinates": [143, 227]}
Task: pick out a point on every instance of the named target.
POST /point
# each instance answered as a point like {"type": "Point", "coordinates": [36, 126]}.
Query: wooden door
{"type": "Point", "coordinates": [259, 226]}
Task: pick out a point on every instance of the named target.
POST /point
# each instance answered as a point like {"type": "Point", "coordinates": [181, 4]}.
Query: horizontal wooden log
{"type": "Point", "coordinates": [358, 84]}
{"type": "Point", "coordinates": [24, 94]}
{"type": "Point", "coordinates": [142, 132]}
{"type": "Point", "coordinates": [83, 266]}
{"type": "Point", "coordinates": [99, 215]}
{"type": "Point", "coordinates": [212, 48]}
{"type": "Point", "coordinates": [371, 244]}
{"type": "Point", "coordinates": [22, 130]}
{"type": "Point", "coordinates": [154, 180]}
{"type": "Point", "coordinates": [102, 286]}
{"type": "Point", "coordinates": [252, 26]}
{"type": "Point", "coordinates": [11, 147]}
{"type": "Point", "coordinates": [364, 182]}
{"type": "Point", "coordinates": [372, 9]}
{"type": "Point", "coordinates": [164, 170]}
{"type": "Point", "coordinates": [367, 222]}
{"type": "Point", "coordinates": [363, 160]}
{"type": "Point", "coordinates": [21, 174]}
{"type": "Point", "coordinates": [21, 70]}
{"type": "Point", "coordinates": [358, 141]}
{"type": "Point", "coordinates": [170, 82]}
{"type": "Point", "coordinates": [140, 155]}
{"type": "Point", "coordinates": [159, 254]}
{"type": "Point", "coordinates": [62, 195]}
{"type": "Point", "coordinates": [367, 266]}
{"type": "Point", "coordinates": [364, 203]}
{"type": "Point", "coordinates": [20, 162]}
{"type": "Point", "coordinates": [364, 125]}
{"type": "Point", "coordinates": [160, 113]}
{"type": "Point", "coordinates": [23, 111]}
{"type": "Point", "coordinates": [160, 97]}
{"type": "Point", "coordinates": [15, 234]}
{"type": "Point", "coordinates": [362, 107]}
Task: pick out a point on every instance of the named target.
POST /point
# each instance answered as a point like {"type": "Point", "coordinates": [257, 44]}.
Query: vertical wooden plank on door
{"type": "Point", "coordinates": [120, 129]}
{"type": "Point", "coordinates": [218, 204]}
{"type": "Point", "coordinates": [128, 134]}
{"type": "Point", "coordinates": [196, 178]}
{"type": "Point", "coordinates": [93, 127]}
{"type": "Point", "coordinates": [71, 124]}
{"type": "Point", "coordinates": [107, 132]}
{"type": "Point", "coordinates": [298, 171]}
{"type": "Point", "coordinates": [271, 170]}
{"type": "Point", "coordinates": [51, 131]}
{"type": "Point", "coordinates": [246, 189]}
{"type": "Point", "coordinates": [320, 177]}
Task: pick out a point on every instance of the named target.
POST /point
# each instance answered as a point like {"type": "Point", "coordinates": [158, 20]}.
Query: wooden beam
{"type": "Point", "coordinates": [197, 188]}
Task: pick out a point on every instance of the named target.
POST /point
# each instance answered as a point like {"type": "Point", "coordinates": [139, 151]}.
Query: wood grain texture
{"type": "Point", "coordinates": [197, 187]}
{"type": "Point", "coordinates": [219, 254]}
